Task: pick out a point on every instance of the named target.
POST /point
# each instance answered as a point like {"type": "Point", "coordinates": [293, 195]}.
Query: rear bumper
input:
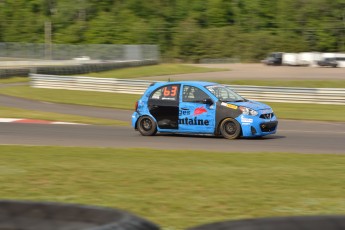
{"type": "Point", "coordinates": [135, 117]}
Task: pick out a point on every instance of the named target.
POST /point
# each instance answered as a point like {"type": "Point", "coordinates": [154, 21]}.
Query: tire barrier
{"type": "Point", "coordinates": [91, 67]}
{"type": "Point", "coordinates": [6, 73]}
{"type": "Point", "coordinates": [74, 68]}
{"type": "Point", "coordinates": [24, 215]}
{"type": "Point", "coordinates": [280, 223]}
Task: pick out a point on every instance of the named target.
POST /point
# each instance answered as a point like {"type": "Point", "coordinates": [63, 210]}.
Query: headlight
{"type": "Point", "coordinates": [247, 111]}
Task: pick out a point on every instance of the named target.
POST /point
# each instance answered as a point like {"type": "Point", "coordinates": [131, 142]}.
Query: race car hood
{"type": "Point", "coordinates": [252, 105]}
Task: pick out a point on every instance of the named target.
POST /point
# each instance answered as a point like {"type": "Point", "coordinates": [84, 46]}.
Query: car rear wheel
{"type": "Point", "coordinates": [230, 128]}
{"type": "Point", "coordinates": [147, 126]}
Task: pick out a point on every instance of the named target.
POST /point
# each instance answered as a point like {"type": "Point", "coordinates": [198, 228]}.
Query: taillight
{"type": "Point", "coordinates": [136, 105]}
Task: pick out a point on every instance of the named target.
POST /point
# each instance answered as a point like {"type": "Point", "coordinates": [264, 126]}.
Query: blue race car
{"type": "Point", "coordinates": [191, 107]}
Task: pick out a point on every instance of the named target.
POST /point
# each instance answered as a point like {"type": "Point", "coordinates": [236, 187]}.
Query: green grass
{"type": "Point", "coordinates": [127, 101]}
{"type": "Point", "coordinates": [8, 112]}
{"type": "Point", "coordinates": [177, 189]}
{"type": "Point", "coordinates": [14, 80]}
{"type": "Point", "coordinates": [303, 111]}
{"type": "Point", "coordinates": [289, 83]}
{"type": "Point", "coordinates": [153, 70]}
{"type": "Point", "coordinates": [111, 100]}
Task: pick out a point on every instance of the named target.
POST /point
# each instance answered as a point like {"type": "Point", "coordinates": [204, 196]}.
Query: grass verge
{"type": "Point", "coordinates": [127, 101]}
{"type": "Point", "coordinates": [318, 112]}
{"type": "Point", "coordinates": [8, 112]}
{"type": "Point", "coordinates": [111, 100]}
{"type": "Point", "coordinates": [177, 189]}
{"type": "Point", "coordinates": [14, 80]}
{"type": "Point", "coordinates": [153, 70]}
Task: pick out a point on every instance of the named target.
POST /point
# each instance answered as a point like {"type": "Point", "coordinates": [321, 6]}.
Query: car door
{"type": "Point", "coordinates": [195, 115]}
{"type": "Point", "coordinates": [163, 105]}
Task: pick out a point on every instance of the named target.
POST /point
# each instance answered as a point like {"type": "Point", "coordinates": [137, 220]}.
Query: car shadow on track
{"type": "Point", "coordinates": [269, 137]}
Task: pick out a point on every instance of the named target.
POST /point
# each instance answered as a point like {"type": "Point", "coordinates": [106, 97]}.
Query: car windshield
{"type": "Point", "coordinates": [224, 93]}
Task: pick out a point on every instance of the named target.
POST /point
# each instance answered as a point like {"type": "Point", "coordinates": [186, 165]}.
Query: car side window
{"type": "Point", "coordinates": [169, 92]}
{"type": "Point", "coordinates": [193, 94]}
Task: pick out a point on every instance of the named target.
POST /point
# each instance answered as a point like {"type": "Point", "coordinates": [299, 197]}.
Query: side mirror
{"type": "Point", "coordinates": [207, 101]}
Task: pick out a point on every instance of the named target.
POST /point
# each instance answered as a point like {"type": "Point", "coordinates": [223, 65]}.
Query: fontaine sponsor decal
{"type": "Point", "coordinates": [183, 111]}
{"type": "Point", "coordinates": [193, 121]}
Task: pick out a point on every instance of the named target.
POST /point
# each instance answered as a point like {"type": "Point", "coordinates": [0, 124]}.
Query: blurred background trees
{"type": "Point", "coordinates": [185, 30]}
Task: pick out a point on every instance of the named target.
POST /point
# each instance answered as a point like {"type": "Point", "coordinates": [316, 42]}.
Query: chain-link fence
{"type": "Point", "coordinates": [19, 59]}
{"type": "Point", "coordinates": [89, 51]}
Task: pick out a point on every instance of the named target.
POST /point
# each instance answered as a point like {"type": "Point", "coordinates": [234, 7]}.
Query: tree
{"type": "Point", "coordinates": [188, 30]}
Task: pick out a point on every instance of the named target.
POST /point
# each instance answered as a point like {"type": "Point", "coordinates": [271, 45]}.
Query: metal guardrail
{"type": "Point", "coordinates": [292, 94]}
{"type": "Point", "coordinates": [260, 93]}
{"type": "Point", "coordinates": [112, 85]}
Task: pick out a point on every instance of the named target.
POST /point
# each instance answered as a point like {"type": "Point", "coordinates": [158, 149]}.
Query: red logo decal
{"type": "Point", "coordinates": [199, 110]}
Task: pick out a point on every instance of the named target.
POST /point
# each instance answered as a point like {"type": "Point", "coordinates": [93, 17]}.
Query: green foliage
{"type": "Point", "coordinates": [187, 30]}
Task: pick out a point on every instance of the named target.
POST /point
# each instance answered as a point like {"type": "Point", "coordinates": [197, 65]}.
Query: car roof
{"type": "Point", "coordinates": [193, 83]}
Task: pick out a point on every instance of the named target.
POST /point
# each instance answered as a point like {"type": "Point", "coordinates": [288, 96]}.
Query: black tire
{"type": "Point", "coordinates": [230, 128]}
{"type": "Point", "coordinates": [147, 126]}
{"type": "Point", "coordinates": [281, 223]}
{"type": "Point", "coordinates": [25, 215]}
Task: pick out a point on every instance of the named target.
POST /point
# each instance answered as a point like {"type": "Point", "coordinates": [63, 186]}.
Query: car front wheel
{"type": "Point", "coordinates": [230, 128]}
{"type": "Point", "coordinates": [147, 126]}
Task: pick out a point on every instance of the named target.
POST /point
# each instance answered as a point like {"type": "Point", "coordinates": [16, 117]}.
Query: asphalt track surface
{"type": "Point", "coordinates": [292, 136]}
{"type": "Point", "coordinates": [295, 137]}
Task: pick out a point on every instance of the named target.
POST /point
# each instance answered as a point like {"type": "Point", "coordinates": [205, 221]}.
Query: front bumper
{"type": "Point", "coordinates": [254, 126]}
{"type": "Point", "coordinates": [269, 126]}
